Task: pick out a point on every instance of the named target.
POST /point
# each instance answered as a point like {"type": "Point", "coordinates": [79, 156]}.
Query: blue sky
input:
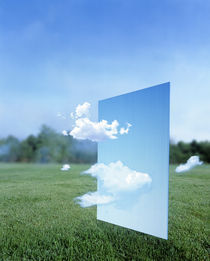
{"type": "Point", "coordinates": [144, 149]}
{"type": "Point", "coordinates": [56, 54]}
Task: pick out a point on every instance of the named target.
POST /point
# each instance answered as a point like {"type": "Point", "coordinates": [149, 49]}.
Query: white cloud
{"type": "Point", "coordinates": [72, 115]}
{"type": "Point", "coordinates": [94, 198]}
{"type": "Point", "coordinates": [84, 128]}
{"type": "Point", "coordinates": [66, 167]}
{"type": "Point", "coordinates": [191, 163]}
{"type": "Point", "coordinates": [95, 131]}
{"type": "Point", "coordinates": [115, 178]}
{"type": "Point", "coordinates": [125, 131]}
{"type": "Point", "coordinates": [82, 110]}
{"type": "Point", "coordinates": [65, 133]}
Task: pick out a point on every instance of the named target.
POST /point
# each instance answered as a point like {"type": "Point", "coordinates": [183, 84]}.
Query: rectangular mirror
{"type": "Point", "coordinates": [139, 161]}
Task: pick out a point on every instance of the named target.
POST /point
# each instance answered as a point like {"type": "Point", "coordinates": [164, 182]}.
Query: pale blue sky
{"type": "Point", "coordinates": [56, 54]}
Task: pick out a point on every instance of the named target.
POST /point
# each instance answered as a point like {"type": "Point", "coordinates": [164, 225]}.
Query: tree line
{"type": "Point", "coordinates": [181, 151]}
{"type": "Point", "coordinates": [46, 147]}
{"type": "Point", "coordinates": [50, 146]}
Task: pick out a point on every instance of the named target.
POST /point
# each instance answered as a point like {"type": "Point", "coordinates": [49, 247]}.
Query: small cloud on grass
{"type": "Point", "coordinates": [93, 198]}
{"type": "Point", "coordinates": [65, 167]}
{"type": "Point", "coordinates": [191, 163]}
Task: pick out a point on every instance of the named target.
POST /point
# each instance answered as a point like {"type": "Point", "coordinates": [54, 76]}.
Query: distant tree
{"type": "Point", "coordinates": [53, 147]}
{"type": "Point", "coordinates": [204, 151]}
{"type": "Point", "coordinates": [85, 151]}
{"type": "Point", "coordinates": [46, 144]}
{"type": "Point", "coordinates": [9, 149]}
{"type": "Point", "coordinates": [195, 147]}
{"type": "Point", "coordinates": [176, 154]}
{"type": "Point", "coordinates": [28, 149]}
{"type": "Point", "coordinates": [43, 155]}
{"type": "Point", "coordinates": [180, 152]}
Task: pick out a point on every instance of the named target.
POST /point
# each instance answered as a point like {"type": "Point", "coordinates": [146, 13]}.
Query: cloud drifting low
{"type": "Point", "coordinates": [93, 198]}
{"type": "Point", "coordinates": [82, 110]}
{"type": "Point", "coordinates": [191, 163]}
{"type": "Point", "coordinates": [115, 179]}
{"type": "Point", "coordinates": [95, 131]}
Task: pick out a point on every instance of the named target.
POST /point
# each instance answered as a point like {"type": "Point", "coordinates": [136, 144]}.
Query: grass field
{"type": "Point", "coordinates": [40, 221]}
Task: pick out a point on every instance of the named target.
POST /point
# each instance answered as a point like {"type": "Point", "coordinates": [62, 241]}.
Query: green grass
{"type": "Point", "coordinates": [40, 221]}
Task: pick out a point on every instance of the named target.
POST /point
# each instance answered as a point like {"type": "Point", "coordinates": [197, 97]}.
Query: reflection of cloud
{"type": "Point", "coordinates": [117, 178]}
{"type": "Point", "coordinates": [125, 131]}
{"type": "Point", "coordinates": [66, 167]}
{"type": "Point", "coordinates": [191, 163]}
{"type": "Point", "coordinates": [93, 198]}
{"type": "Point", "coordinates": [95, 131]}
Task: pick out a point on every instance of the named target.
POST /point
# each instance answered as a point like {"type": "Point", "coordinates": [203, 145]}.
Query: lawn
{"type": "Point", "coordinates": [39, 219]}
